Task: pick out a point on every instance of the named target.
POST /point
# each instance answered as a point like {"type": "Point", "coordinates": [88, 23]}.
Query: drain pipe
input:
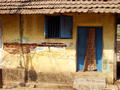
{"type": "Point", "coordinates": [22, 53]}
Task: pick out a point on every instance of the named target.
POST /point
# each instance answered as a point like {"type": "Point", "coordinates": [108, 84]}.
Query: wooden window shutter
{"type": "Point", "coordinates": [66, 25]}
{"type": "Point", "coordinates": [52, 26]}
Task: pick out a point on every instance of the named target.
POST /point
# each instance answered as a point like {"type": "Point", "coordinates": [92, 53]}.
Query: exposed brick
{"type": "Point", "coordinates": [17, 48]}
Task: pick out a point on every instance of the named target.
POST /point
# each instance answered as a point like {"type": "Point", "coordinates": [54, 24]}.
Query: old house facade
{"type": "Point", "coordinates": [58, 40]}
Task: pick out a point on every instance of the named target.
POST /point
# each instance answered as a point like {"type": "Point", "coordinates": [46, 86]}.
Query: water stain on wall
{"type": "Point", "coordinates": [25, 39]}
{"type": "Point", "coordinates": [105, 66]}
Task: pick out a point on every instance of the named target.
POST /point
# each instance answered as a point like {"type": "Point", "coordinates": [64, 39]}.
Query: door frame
{"type": "Point", "coordinates": [0, 44]}
{"type": "Point", "coordinates": [77, 43]}
{"type": "Point", "coordinates": [1, 83]}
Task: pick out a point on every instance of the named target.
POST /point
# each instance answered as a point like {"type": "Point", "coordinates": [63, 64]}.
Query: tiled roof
{"type": "Point", "coordinates": [58, 6]}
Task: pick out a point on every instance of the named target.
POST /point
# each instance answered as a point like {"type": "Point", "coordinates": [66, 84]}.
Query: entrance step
{"type": "Point", "coordinates": [111, 87]}
{"type": "Point", "coordinates": [89, 83]}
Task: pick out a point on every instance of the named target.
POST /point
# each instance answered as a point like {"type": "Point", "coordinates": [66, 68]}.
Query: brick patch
{"type": "Point", "coordinates": [46, 44]}
{"type": "Point", "coordinates": [17, 48]}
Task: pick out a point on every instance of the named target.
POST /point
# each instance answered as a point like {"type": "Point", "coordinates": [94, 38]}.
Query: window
{"type": "Point", "coordinates": [58, 27]}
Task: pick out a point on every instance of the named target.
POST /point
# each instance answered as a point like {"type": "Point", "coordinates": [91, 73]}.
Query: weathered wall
{"type": "Point", "coordinates": [35, 51]}
{"type": "Point", "coordinates": [46, 59]}
{"type": "Point", "coordinates": [108, 23]}
{"type": "Point", "coordinates": [10, 33]}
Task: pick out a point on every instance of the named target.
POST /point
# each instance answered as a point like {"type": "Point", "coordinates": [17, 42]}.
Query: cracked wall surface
{"type": "Point", "coordinates": [52, 55]}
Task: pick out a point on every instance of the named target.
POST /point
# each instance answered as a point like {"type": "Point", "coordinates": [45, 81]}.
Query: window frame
{"type": "Point", "coordinates": [60, 37]}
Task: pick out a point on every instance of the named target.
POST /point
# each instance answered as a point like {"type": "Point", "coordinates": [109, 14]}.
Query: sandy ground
{"type": "Point", "coordinates": [36, 89]}
{"type": "Point", "coordinates": [109, 87]}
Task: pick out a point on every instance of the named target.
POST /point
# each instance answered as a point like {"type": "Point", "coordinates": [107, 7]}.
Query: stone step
{"type": "Point", "coordinates": [89, 83]}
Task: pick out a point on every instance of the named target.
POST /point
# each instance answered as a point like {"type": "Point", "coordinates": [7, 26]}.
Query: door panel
{"type": "Point", "coordinates": [99, 48]}
{"type": "Point", "coordinates": [81, 47]}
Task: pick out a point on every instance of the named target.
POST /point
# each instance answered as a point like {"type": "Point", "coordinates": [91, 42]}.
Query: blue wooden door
{"type": "Point", "coordinates": [82, 34]}
{"type": "Point", "coordinates": [81, 46]}
{"type": "Point", "coordinates": [99, 47]}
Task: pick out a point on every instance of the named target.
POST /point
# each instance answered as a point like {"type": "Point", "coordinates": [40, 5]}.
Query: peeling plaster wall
{"type": "Point", "coordinates": [10, 32]}
{"type": "Point", "coordinates": [54, 59]}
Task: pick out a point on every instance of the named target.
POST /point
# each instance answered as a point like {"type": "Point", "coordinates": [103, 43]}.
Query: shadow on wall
{"type": "Point", "coordinates": [1, 83]}
{"type": "Point", "coordinates": [30, 73]}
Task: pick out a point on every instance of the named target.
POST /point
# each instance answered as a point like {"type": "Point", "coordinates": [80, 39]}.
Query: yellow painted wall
{"type": "Point", "coordinates": [49, 60]}
{"type": "Point", "coordinates": [10, 33]}
{"type": "Point", "coordinates": [56, 60]}
{"type": "Point", "coordinates": [10, 27]}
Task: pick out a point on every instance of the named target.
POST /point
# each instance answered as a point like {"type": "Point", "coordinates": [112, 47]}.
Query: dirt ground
{"type": "Point", "coordinates": [109, 87]}
{"type": "Point", "coordinates": [37, 89]}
